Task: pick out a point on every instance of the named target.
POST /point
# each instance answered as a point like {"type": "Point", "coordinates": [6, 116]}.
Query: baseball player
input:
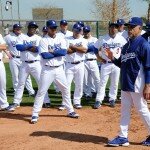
{"type": "Point", "coordinates": [44, 30]}
{"type": "Point", "coordinates": [77, 47]}
{"type": "Point", "coordinates": [3, 98]}
{"type": "Point", "coordinates": [146, 35]}
{"type": "Point", "coordinates": [52, 49]}
{"type": "Point", "coordinates": [81, 23]}
{"type": "Point", "coordinates": [64, 32]}
{"type": "Point", "coordinates": [135, 81]}
{"type": "Point", "coordinates": [121, 30]}
{"type": "Point", "coordinates": [14, 56]}
{"type": "Point", "coordinates": [115, 42]}
{"type": "Point", "coordinates": [28, 46]}
{"type": "Point", "coordinates": [91, 68]}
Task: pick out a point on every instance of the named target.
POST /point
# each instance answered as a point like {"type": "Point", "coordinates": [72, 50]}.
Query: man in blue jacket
{"type": "Point", "coordinates": [135, 80]}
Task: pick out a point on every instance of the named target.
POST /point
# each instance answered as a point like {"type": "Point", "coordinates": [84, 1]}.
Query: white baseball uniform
{"type": "Point", "coordinates": [31, 64]}
{"type": "Point", "coordinates": [108, 69]}
{"type": "Point", "coordinates": [91, 74]}
{"type": "Point", "coordinates": [64, 35]}
{"type": "Point", "coordinates": [3, 97]}
{"type": "Point", "coordinates": [15, 63]}
{"type": "Point", "coordinates": [52, 70]}
{"type": "Point", "coordinates": [75, 67]}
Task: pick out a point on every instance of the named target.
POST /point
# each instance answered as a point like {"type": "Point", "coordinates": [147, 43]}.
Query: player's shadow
{"type": "Point", "coordinates": [76, 137]}
{"type": "Point", "coordinates": [24, 117]}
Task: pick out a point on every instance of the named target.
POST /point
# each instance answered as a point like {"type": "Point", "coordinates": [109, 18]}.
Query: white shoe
{"type": "Point", "coordinates": [62, 107]}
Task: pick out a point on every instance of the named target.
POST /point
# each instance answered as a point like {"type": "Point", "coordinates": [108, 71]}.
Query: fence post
{"type": "Point", "coordinates": [97, 29]}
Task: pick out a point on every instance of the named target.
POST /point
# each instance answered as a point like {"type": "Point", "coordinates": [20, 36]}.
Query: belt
{"type": "Point", "coordinates": [53, 66]}
{"type": "Point", "coordinates": [76, 62]}
{"type": "Point", "coordinates": [91, 59]}
{"type": "Point", "coordinates": [31, 61]}
{"type": "Point", "coordinates": [109, 62]}
{"type": "Point", "coordinates": [15, 56]}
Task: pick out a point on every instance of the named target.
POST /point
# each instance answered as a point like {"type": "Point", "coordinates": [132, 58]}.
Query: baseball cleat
{"type": "Point", "coordinates": [13, 107]}
{"type": "Point", "coordinates": [4, 109]}
{"type": "Point", "coordinates": [73, 115]}
{"type": "Point", "coordinates": [118, 141]}
{"type": "Point", "coordinates": [62, 107]}
{"type": "Point", "coordinates": [77, 106]}
{"type": "Point", "coordinates": [146, 142]}
{"type": "Point", "coordinates": [46, 105]}
{"type": "Point", "coordinates": [34, 119]}
{"type": "Point", "coordinates": [112, 103]}
{"type": "Point", "coordinates": [97, 105]}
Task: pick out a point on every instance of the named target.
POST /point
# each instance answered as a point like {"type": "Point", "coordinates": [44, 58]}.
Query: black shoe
{"type": "Point", "coordinates": [94, 94]}
{"type": "Point", "coordinates": [112, 103]}
{"type": "Point", "coordinates": [97, 105]}
{"type": "Point", "coordinates": [46, 105]}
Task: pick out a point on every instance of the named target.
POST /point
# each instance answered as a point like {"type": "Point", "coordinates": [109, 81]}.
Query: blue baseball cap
{"type": "Point", "coordinates": [77, 27]}
{"type": "Point", "coordinates": [81, 23]}
{"type": "Point", "coordinates": [120, 22]}
{"type": "Point", "coordinates": [86, 29]}
{"type": "Point", "coordinates": [135, 21]}
{"type": "Point", "coordinates": [51, 24]}
{"type": "Point", "coordinates": [44, 29]}
{"type": "Point", "coordinates": [147, 26]}
{"type": "Point", "coordinates": [32, 24]}
{"type": "Point", "coordinates": [63, 22]}
{"type": "Point", "coordinates": [17, 26]}
{"type": "Point", "coordinates": [113, 24]}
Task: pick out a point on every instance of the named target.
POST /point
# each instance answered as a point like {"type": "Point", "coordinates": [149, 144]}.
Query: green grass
{"type": "Point", "coordinates": [28, 101]}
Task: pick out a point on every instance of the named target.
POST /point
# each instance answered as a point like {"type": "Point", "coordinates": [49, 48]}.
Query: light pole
{"type": "Point", "coordinates": [7, 8]}
{"type": "Point", "coordinates": [18, 10]}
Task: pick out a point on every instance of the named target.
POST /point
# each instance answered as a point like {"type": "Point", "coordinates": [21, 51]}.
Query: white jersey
{"type": "Point", "coordinates": [11, 40]}
{"type": "Point", "coordinates": [52, 43]}
{"type": "Point", "coordinates": [114, 44]}
{"type": "Point", "coordinates": [124, 33]}
{"type": "Point", "coordinates": [65, 35]}
{"type": "Point", "coordinates": [74, 57]}
{"type": "Point", "coordinates": [91, 41]}
{"type": "Point", "coordinates": [28, 55]}
{"type": "Point", "coordinates": [1, 42]}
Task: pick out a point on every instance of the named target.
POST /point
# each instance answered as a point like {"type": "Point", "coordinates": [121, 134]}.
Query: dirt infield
{"type": "Point", "coordinates": [55, 131]}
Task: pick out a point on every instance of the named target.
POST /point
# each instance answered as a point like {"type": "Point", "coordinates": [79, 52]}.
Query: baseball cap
{"type": "Point", "coordinates": [51, 24]}
{"type": "Point", "coordinates": [147, 26]}
{"type": "Point", "coordinates": [86, 29]}
{"type": "Point", "coordinates": [113, 24]}
{"type": "Point", "coordinates": [32, 24]}
{"type": "Point", "coordinates": [44, 29]}
{"type": "Point", "coordinates": [120, 22]}
{"type": "Point", "coordinates": [77, 27]}
{"type": "Point", "coordinates": [63, 22]}
{"type": "Point", "coordinates": [135, 21]}
{"type": "Point", "coordinates": [81, 23]}
{"type": "Point", "coordinates": [17, 26]}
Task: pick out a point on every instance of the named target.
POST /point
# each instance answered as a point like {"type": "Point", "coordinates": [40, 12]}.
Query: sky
{"type": "Point", "coordinates": [73, 9]}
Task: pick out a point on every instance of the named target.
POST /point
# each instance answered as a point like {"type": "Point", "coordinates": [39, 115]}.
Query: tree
{"type": "Point", "coordinates": [148, 11]}
{"type": "Point", "coordinates": [111, 10]}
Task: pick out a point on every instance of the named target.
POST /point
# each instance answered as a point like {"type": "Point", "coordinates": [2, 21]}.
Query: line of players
{"type": "Point", "coordinates": [62, 57]}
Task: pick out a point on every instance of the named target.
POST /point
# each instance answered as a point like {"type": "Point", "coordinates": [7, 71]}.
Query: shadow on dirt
{"type": "Point", "coordinates": [76, 137]}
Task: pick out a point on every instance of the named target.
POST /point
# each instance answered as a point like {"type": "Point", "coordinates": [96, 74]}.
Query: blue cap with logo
{"type": "Point", "coordinates": [51, 24]}
{"type": "Point", "coordinates": [113, 24]}
{"type": "Point", "coordinates": [86, 29]}
{"type": "Point", "coordinates": [120, 22]}
{"type": "Point", "coordinates": [147, 26]}
{"type": "Point", "coordinates": [77, 27]}
{"type": "Point", "coordinates": [81, 23]}
{"type": "Point", "coordinates": [63, 22]}
{"type": "Point", "coordinates": [44, 29]}
{"type": "Point", "coordinates": [32, 24]}
{"type": "Point", "coordinates": [135, 21]}
{"type": "Point", "coordinates": [17, 25]}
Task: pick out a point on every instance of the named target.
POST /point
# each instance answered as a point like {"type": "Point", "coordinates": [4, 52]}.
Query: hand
{"type": "Point", "coordinates": [146, 92]}
{"type": "Point", "coordinates": [50, 50]}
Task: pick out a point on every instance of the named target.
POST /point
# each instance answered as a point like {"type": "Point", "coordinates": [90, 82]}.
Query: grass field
{"type": "Point", "coordinates": [28, 101]}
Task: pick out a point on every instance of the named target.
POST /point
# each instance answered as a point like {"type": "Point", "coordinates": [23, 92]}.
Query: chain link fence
{"type": "Point", "coordinates": [99, 28]}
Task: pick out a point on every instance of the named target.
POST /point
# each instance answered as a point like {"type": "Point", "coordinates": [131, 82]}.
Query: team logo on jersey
{"type": "Point", "coordinates": [112, 45]}
{"type": "Point", "coordinates": [127, 56]}
{"type": "Point", "coordinates": [55, 46]}
{"type": "Point", "coordinates": [13, 43]}
{"type": "Point", "coordinates": [78, 44]}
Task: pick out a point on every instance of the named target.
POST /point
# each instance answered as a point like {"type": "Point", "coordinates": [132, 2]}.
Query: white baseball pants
{"type": "Point", "coordinates": [128, 99]}
{"type": "Point", "coordinates": [28, 68]}
{"type": "Point", "coordinates": [49, 75]}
